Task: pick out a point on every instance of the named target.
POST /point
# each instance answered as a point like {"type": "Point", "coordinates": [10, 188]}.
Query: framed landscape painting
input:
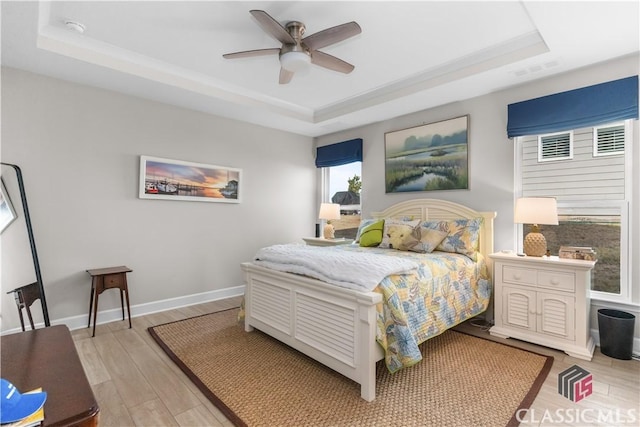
{"type": "Point", "coordinates": [428, 157]}
{"type": "Point", "coordinates": [178, 180]}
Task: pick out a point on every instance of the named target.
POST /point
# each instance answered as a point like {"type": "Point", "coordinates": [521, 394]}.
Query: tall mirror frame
{"type": "Point", "coordinates": [32, 242]}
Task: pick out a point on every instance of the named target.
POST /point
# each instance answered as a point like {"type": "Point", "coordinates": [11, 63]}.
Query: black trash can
{"type": "Point", "coordinates": [616, 333]}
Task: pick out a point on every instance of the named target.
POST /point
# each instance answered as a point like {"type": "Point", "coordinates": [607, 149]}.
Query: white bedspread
{"type": "Point", "coordinates": [353, 270]}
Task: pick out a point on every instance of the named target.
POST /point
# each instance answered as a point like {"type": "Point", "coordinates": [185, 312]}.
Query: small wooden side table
{"type": "Point", "coordinates": [108, 278]}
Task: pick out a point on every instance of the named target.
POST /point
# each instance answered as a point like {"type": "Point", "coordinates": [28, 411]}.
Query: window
{"type": "Point", "coordinates": [556, 146]}
{"type": "Point", "coordinates": [590, 176]}
{"type": "Point", "coordinates": [608, 140]}
{"type": "Point", "coordinates": [343, 184]}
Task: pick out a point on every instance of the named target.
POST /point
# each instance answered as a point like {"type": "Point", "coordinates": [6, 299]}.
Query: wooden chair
{"type": "Point", "coordinates": [25, 296]}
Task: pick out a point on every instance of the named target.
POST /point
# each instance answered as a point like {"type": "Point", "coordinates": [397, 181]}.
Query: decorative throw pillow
{"type": "Point", "coordinates": [371, 235]}
{"type": "Point", "coordinates": [395, 231]}
{"type": "Point", "coordinates": [463, 235]}
{"type": "Point", "coordinates": [363, 224]}
{"type": "Point", "coordinates": [411, 242]}
{"type": "Point", "coordinates": [429, 240]}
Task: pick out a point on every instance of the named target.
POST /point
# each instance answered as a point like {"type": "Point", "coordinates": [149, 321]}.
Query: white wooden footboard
{"type": "Point", "coordinates": [335, 326]}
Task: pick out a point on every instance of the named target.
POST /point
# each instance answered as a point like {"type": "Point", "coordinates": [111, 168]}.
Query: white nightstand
{"type": "Point", "coordinates": [543, 300]}
{"type": "Point", "coordinates": [319, 241]}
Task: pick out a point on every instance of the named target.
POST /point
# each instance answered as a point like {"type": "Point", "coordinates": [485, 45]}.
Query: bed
{"type": "Point", "coordinates": [337, 326]}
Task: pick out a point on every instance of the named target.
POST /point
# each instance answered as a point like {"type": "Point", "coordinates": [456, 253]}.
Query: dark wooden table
{"type": "Point", "coordinates": [48, 358]}
{"type": "Point", "coordinates": [108, 278]}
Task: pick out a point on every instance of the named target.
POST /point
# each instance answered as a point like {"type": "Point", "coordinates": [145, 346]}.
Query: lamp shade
{"type": "Point", "coordinates": [329, 211]}
{"type": "Point", "coordinates": [536, 210]}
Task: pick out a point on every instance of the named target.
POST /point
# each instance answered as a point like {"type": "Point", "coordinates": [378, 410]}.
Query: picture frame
{"type": "Point", "coordinates": [428, 157]}
{"type": "Point", "coordinates": [7, 212]}
{"type": "Point", "coordinates": [168, 179]}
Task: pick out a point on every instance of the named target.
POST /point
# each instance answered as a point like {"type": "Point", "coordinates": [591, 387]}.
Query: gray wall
{"type": "Point", "coordinates": [79, 150]}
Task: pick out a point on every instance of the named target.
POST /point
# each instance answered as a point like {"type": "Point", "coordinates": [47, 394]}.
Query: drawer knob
{"type": "Point", "coordinates": [555, 281]}
{"type": "Point", "coordinates": [517, 276]}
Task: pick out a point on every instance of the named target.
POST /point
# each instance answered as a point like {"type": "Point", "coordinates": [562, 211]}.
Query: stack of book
{"type": "Point", "coordinates": [577, 252]}
{"type": "Point", "coordinates": [21, 409]}
{"type": "Point", "coordinates": [32, 420]}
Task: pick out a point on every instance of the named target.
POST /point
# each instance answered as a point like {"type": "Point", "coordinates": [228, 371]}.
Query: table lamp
{"type": "Point", "coordinates": [534, 211]}
{"type": "Point", "coordinates": [329, 211]}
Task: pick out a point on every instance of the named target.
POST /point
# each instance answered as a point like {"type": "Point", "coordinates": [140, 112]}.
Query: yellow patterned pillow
{"type": "Point", "coordinates": [463, 235]}
{"type": "Point", "coordinates": [430, 239]}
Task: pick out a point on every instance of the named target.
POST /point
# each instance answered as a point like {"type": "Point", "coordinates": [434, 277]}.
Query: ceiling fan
{"type": "Point", "coordinates": [296, 52]}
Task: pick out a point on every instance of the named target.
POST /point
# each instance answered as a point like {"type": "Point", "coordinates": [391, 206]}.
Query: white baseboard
{"type": "Point", "coordinates": [112, 315]}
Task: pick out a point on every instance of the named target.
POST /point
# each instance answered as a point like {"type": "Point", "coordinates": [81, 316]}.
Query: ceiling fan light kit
{"type": "Point", "coordinates": [295, 61]}
{"type": "Point", "coordinates": [297, 53]}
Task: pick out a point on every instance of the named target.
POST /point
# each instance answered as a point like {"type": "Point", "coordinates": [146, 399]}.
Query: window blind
{"type": "Point", "coordinates": [338, 154]}
{"type": "Point", "coordinates": [609, 140]}
{"type": "Point", "coordinates": [555, 147]}
{"type": "Point", "coordinates": [588, 106]}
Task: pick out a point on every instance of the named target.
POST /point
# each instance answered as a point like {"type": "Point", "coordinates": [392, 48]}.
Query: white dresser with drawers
{"type": "Point", "coordinates": [543, 300]}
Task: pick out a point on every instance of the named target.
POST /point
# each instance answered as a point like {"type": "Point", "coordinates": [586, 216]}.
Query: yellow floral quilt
{"type": "Point", "coordinates": [445, 290]}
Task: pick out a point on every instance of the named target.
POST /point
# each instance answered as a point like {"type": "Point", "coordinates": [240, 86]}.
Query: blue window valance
{"type": "Point", "coordinates": [338, 154]}
{"type": "Point", "coordinates": [588, 106]}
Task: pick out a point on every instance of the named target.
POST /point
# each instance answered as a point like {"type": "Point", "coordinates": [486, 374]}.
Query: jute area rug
{"type": "Point", "coordinates": [257, 381]}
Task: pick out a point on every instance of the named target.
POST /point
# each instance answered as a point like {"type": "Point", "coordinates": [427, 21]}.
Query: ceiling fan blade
{"type": "Point", "coordinates": [272, 27]}
{"type": "Point", "coordinates": [331, 62]}
{"type": "Point", "coordinates": [251, 53]}
{"type": "Point", "coordinates": [285, 76]}
{"type": "Point", "coordinates": [332, 35]}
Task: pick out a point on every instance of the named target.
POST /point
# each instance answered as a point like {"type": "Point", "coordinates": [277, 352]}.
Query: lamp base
{"type": "Point", "coordinates": [329, 231]}
{"type": "Point", "coordinates": [535, 244]}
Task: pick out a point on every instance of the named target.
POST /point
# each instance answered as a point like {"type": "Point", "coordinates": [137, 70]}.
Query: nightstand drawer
{"type": "Point", "coordinates": [113, 281]}
{"type": "Point", "coordinates": [556, 280]}
{"type": "Point", "coordinates": [512, 274]}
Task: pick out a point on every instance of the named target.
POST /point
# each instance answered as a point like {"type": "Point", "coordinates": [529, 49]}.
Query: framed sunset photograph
{"type": "Point", "coordinates": [180, 180]}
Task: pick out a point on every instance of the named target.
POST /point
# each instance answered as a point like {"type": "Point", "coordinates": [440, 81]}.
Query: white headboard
{"type": "Point", "coordinates": [435, 209]}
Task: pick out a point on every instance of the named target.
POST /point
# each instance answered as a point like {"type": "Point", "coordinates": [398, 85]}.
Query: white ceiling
{"type": "Point", "coordinates": [409, 57]}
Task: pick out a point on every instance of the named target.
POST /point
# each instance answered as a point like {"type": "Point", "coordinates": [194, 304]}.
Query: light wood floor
{"type": "Point", "coordinates": [136, 384]}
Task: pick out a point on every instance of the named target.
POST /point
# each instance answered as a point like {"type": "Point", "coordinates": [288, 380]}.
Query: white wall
{"type": "Point", "coordinates": [491, 157]}
{"type": "Point", "coordinates": [79, 147]}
